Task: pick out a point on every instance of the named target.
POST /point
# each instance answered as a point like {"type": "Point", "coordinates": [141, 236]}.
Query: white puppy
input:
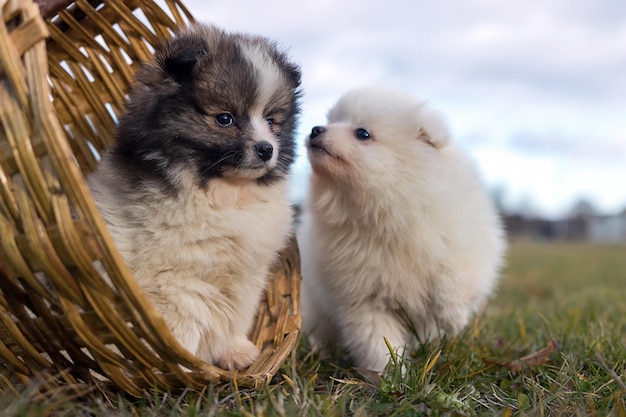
{"type": "Point", "coordinates": [399, 238]}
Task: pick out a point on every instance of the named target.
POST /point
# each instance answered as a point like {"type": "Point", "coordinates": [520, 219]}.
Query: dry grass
{"type": "Point", "coordinates": [552, 342]}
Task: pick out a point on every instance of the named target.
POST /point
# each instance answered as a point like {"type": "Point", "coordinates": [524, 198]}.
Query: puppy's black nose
{"type": "Point", "coordinates": [265, 150]}
{"type": "Point", "coordinates": [316, 131]}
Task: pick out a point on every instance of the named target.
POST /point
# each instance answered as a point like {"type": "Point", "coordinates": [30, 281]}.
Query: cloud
{"type": "Point", "coordinates": [527, 81]}
{"type": "Point", "coordinates": [580, 148]}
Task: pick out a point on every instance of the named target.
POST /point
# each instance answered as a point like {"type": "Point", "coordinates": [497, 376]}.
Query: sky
{"type": "Point", "coordinates": [534, 91]}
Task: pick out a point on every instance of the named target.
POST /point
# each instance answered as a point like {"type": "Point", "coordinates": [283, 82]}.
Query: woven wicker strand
{"type": "Point", "coordinates": [63, 82]}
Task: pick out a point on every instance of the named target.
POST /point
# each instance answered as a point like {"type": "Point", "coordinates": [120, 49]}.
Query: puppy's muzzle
{"type": "Point", "coordinates": [316, 132]}
{"type": "Point", "coordinates": [265, 150]}
{"type": "Point", "coordinates": [315, 139]}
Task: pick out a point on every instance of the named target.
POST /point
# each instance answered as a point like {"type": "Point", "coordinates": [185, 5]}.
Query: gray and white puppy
{"type": "Point", "coordinates": [194, 190]}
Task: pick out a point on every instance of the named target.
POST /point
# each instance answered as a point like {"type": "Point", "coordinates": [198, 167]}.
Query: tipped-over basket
{"type": "Point", "coordinates": [63, 81]}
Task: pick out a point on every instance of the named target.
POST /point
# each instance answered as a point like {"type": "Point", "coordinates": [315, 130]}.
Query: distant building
{"type": "Point", "coordinates": [607, 229]}
{"type": "Point", "coordinates": [578, 227]}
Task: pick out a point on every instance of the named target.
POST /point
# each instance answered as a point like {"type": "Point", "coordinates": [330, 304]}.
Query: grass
{"type": "Point", "coordinates": [551, 342]}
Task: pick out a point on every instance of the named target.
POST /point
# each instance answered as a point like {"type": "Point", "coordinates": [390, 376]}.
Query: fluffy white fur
{"type": "Point", "coordinates": [398, 230]}
{"type": "Point", "coordinates": [201, 257]}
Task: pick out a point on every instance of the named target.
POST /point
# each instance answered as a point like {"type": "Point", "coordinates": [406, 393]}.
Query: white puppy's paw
{"type": "Point", "coordinates": [453, 319]}
{"type": "Point", "coordinates": [241, 354]}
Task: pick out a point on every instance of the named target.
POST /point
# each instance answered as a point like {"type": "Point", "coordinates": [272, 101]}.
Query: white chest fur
{"type": "Point", "coordinates": [223, 231]}
{"type": "Point", "coordinates": [202, 256]}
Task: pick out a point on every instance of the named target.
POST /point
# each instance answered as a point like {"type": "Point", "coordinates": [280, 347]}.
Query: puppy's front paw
{"type": "Point", "coordinates": [241, 354]}
{"type": "Point", "coordinates": [452, 320]}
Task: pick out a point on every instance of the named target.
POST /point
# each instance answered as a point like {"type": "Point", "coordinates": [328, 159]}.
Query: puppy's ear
{"type": "Point", "coordinates": [433, 129]}
{"type": "Point", "coordinates": [178, 57]}
{"type": "Point", "coordinates": [295, 75]}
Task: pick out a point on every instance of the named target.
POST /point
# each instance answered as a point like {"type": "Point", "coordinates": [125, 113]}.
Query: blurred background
{"type": "Point", "coordinates": [534, 90]}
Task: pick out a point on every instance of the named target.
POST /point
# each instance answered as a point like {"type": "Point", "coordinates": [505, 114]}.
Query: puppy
{"type": "Point", "coordinates": [399, 238]}
{"type": "Point", "coordinates": [194, 190]}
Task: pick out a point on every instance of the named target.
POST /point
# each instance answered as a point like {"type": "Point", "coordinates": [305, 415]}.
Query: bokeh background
{"type": "Point", "coordinates": [534, 90]}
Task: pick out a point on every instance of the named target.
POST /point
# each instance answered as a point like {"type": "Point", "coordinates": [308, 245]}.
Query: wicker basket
{"type": "Point", "coordinates": [63, 80]}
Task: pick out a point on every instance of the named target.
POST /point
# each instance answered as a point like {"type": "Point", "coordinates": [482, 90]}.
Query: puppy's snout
{"type": "Point", "coordinates": [265, 150]}
{"type": "Point", "coordinates": [316, 131]}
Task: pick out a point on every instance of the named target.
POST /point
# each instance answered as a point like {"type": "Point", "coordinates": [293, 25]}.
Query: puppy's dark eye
{"type": "Point", "coordinates": [362, 134]}
{"type": "Point", "coordinates": [224, 119]}
{"type": "Point", "coordinates": [270, 122]}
